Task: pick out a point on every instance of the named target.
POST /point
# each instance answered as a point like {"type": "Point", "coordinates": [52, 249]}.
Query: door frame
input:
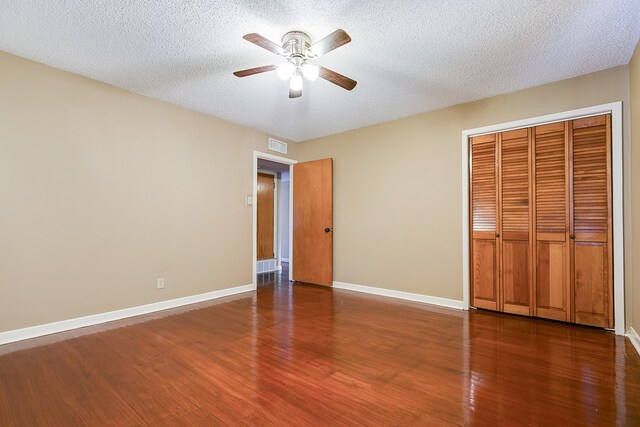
{"type": "Point", "coordinates": [615, 109]}
{"type": "Point", "coordinates": [254, 207]}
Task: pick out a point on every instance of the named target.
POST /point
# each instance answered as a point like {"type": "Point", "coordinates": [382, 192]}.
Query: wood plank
{"type": "Point", "coordinates": [552, 237]}
{"type": "Point", "coordinates": [483, 138]}
{"type": "Point", "coordinates": [550, 128]}
{"type": "Point", "coordinates": [515, 134]}
{"type": "Point", "coordinates": [515, 235]}
{"type": "Point", "coordinates": [317, 356]}
{"type": "Point", "coordinates": [483, 235]}
{"type": "Point", "coordinates": [589, 122]}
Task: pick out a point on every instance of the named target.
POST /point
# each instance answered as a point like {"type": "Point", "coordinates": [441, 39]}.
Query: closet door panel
{"type": "Point", "coordinates": [592, 297]}
{"type": "Point", "coordinates": [515, 222]}
{"type": "Point", "coordinates": [552, 278]}
{"type": "Point", "coordinates": [484, 222]}
{"type": "Point", "coordinates": [552, 270]}
{"type": "Point", "coordinates": [516, 277]}
{"type": "Point", "coordinates": [485, 274]}
{"type": "Point", "coordinates": [591, 227]}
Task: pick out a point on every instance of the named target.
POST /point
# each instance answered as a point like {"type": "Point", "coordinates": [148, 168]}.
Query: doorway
{"type": "Point", "coordinates": [272, 216]}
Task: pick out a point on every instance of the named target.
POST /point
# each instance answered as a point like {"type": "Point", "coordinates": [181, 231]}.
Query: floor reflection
{"type": "Point", "coordinates": [308, 355]}
{"type": "Point", "coordinates": [543, 373]}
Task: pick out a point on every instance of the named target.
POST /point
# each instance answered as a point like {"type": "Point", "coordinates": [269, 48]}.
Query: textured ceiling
{"type": "Point", "coordinates": [408, 56]}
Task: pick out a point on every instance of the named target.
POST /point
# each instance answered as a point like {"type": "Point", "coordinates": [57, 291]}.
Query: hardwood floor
{"type": "Point", "coordinates": [309, 355]}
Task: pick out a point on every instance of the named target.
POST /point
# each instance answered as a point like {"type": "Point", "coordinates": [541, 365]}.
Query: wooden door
{"type": "Point", "coordinates": [484, 222]}
{"type": "Point", "coordinates": [552, 267]}
{"type": "Point", "coordinates": [591, 226]}
{"type": "Point", "coordinates": [515, 246]}
{"type": "Point", "coordinates": [265, 207]}
{"type": "Point", "coordinates": [313, 222]}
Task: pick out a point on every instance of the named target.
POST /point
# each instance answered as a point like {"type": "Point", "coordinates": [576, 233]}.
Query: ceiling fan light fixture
{"type": "Point", "coordinates": [310, 71]}
{"type": "Point", "coordinates": [285, 71]}
{"type": "Point", "coordinates": [297, 48]}
{"type": "Point", "coordinates": [295, 84]}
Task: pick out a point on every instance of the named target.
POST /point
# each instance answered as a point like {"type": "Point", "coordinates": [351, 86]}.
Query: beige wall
{"type": "Point", "coordinates": [634, 78]}
{"type": "Point", "coordinates": [398, 197]}
{"type": "Point", "coordinates": [102, 191]}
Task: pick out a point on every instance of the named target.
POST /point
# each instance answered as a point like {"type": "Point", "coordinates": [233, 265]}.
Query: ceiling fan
{"type": "Point", "coordinates": [297, 49]}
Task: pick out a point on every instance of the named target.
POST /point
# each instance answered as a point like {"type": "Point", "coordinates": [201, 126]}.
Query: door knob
{"type": "Point", "coordinates": [328, 230]}
{"type": "Point", "coordinates": [572, 236]}
{"type": "Point", "coordinates": [497, 234]}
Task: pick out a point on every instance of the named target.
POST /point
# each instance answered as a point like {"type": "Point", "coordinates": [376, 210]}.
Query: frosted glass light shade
{"type": "Point", "coordinates": [295, 84]}
{"type": "Point", "coordinates": [310, 72]}
{"type": "Point", "coordinates": [285, 71]}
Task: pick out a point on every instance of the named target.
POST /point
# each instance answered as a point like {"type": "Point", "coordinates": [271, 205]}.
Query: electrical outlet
{"type": "Point", "coordinates": [161, 283]}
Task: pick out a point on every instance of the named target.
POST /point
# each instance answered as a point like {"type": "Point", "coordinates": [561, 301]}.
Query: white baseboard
{"type": "Point", "coordinates": [81, 322]}
{"type": "Point", "coordinates": [634, 338]}
{"type": "Point", "coordinates": [444, 302]}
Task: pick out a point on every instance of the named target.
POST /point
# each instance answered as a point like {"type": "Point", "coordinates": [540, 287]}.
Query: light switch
{"type": "Point", "coordinates": [249, 200]}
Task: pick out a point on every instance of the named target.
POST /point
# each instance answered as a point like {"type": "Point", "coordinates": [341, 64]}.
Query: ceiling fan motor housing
{"type": "Point", "coordinates": [296, 43]}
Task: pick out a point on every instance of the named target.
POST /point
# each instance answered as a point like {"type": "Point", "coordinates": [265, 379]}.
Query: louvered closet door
{"type": "Point", "coordinates": [484, 250]}
{"type": "Point", "coordinates": [551, 222]}
{"type": "Point", "coordinates": [515, 247]}
{"type": "Point", "coordinates": [591, 227]}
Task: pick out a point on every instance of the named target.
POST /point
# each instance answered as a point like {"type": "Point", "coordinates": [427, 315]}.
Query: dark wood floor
{"type": "Point", "coordinates": [307, 355]}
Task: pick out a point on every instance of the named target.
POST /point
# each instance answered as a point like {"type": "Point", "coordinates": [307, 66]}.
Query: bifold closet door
{"type": "Point", "coordinates": [591, 228]}
{"type": "Point", "coordinates": [541, 223]}
{"type": "Point", "coordinates": [515, 281]}
{"type": "Point", "coordinates": [551, 223]}
{"type": "Point", "coordinates": [484, 222]}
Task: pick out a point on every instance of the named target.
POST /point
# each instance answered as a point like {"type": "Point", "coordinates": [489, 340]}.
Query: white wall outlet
{"type": "Point", "coordinates": [161, 283]}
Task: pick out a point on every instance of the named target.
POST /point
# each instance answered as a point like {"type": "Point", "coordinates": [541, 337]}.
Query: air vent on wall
{"type": "Point", "coordinates": [279, 146]}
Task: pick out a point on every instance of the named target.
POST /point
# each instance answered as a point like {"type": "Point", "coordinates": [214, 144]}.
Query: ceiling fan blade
{"type": "Point", "coordinates": [265, 43]}
{"type": "Point", "coordinates": [329, 43]}
{"type": "Point", "coordinates": [337, 78]}
{"type": "Point", "coordinates": [256, 70]}
{"type": "Point", "coordinates": [295, 93]}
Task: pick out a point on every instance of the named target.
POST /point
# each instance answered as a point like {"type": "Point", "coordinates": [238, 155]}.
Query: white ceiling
{"type": "Point", "coordinates": [408, 56]}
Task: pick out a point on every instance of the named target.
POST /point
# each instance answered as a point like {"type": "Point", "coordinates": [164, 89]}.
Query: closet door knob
{"type": "Point", "coordinates": [497, 234]}
{"type": "Point", "coordinates": [572, 236]}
